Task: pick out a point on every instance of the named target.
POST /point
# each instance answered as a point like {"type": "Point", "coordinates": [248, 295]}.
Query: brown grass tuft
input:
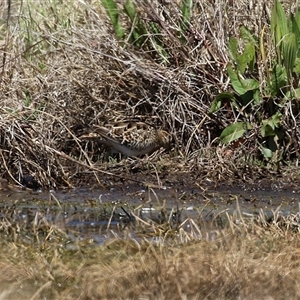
{"type": "Point", "coordinates": [249, 259]}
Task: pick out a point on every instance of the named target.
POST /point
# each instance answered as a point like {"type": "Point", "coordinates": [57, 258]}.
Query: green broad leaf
{"type": "Point", "coordinates": [215, 105]}
{"type": "Point", "coordinates": [113, 14]}
{"type": "Point", "coordinates": [289, 52]}
{"type": "Point", "coordinates": [217, 102]}
{"type": "Point", "coordinates": [246, 98]}
{"type": "Point", "coordinates": [297, 66]}
{"type": "Point", "coordinates": [278, 79]}
{"type": "Point", "coordinates": [234, 132]}
{"type": "Point", "coordinates": [279, 22]}
{"type": "Point", "coordinates": [293, 94]}
{"type": "Point", "coordinates": [235, 81]}
{"type": "Point", "coordinates": [267, 130]}
{"type": "Point", "coordinates": [295, 20]}
{"type": "Point", "coordinates": [233, 48]}
{"type": "Point", "coordinates": [250, 84]}
{"type": "Point", "coordinates": [256, 97]}
{"type": "Point", "coordinates": [267, 153]}
{"type": "Point", "coordinates": [241, 86]}
{"type": "Point", "coordinates": [296, 93]}
{"type": "Point", "coordinates": [247, 58]}
{"type": "Point", "coordinates": [247, 35]}
{"type": "Point", "coordinates": [269, 126]}
{"type": "Point", "coordinates": [242, 63]}
{"type": "Point", "coordinates": [279, 27]}
{"type": "Point", "coordinates": [276, 119]}
{"type": "Point", "coordinates": [249, 53]}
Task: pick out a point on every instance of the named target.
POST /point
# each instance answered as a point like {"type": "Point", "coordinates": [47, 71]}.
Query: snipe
{"type": "Point", "coordinates": [130, 138]}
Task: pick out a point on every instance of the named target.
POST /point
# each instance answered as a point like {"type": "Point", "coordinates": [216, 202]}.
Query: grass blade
{"type": "Point", "coordinates": [113, 13]}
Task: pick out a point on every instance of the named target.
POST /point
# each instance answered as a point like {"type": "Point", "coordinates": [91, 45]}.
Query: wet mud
{"type": "Point", "coordinates": [97, 213]}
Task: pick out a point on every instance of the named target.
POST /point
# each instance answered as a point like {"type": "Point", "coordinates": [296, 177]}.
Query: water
{"type": "Point", "coordinates": [98, 214]}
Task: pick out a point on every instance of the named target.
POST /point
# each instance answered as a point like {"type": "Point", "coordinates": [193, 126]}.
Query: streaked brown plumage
{"type": "Point", "coordinates": [130, 138]}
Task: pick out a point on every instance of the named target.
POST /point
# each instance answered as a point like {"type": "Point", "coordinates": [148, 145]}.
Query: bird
{"type": "Point", "coordinates": [130, 138]}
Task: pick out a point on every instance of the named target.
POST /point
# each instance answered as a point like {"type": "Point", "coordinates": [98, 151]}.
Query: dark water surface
{"type": "Point", "coordinates": [97, 214]}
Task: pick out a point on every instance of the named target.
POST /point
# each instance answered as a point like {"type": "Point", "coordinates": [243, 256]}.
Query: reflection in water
{"type": "Point", "coordinates": [95, 215]}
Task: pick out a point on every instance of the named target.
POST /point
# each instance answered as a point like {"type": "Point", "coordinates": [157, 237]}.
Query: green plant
{"type": "Point", "coordinates": [186, 11]}
{"type": "Point", "coordinates": [138, 30]}
{"type": "Point", "coordinates": [262, 88]}
{"type": "Point", "coordinates": [144, 33]}
{"type": "Point", "coordinates": [113, 14]}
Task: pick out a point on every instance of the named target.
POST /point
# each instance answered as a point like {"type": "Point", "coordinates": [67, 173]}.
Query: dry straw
{"type": "Point", "coordinates": [63, 70]}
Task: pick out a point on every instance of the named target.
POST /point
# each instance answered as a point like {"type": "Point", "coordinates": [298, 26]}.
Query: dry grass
{"type": "Point", "coordinates": [63, 70]}
{"type": "Point", "coordinates": [249, 259]}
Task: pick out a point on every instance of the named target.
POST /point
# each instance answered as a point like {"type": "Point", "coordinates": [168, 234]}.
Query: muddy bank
{"type": "Point", "coordinates": [92, 212]}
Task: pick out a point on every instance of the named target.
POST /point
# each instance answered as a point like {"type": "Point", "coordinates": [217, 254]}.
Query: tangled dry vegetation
{"type": "Point", "coordinates": [63, 70]}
